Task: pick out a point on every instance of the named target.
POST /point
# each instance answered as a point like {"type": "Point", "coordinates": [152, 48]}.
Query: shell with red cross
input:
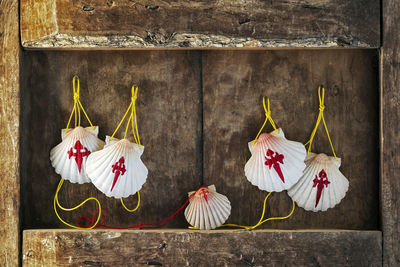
{"type": "Point", "coordinates": [276, 163]}
{"type": "Point", "coordinates": [207, 209]}
{"type": "Point", "coordinates": [69, 157]}
{"type": "Point", "coordinates": [117, 170]}
{"type": "Point", "coordinates": [322, 185]}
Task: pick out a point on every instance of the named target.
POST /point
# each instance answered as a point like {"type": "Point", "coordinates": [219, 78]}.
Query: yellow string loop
{"type": "Point", "coordinates": [260, 222]}
{"type": "Point", "coordinates": [56, 202]}
{"type": "Point", "coordinates": [268, 117]}
{"type": "Point", "coordinates": [132, 117]}
{"type": "Point", "coordinates": [76, 111]}
{"type": "Point", "coordinates": [137, 206]}
{"type": "Point", "coordinates": [77, 106]}
{"type": "Point", "coordinates": [321, 97]}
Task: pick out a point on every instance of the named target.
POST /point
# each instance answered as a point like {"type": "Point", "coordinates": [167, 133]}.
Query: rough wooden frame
{"type": "Point", "coordinates": [199, 24]}
{"type": "Point", "coordinates": [9, 129]}
{"type": "Point", "coordinates": [201, 248]}
{"type": "Point", "coordinates": [9, 132]}
{"type": "Point", "coordinates": [390, 133]}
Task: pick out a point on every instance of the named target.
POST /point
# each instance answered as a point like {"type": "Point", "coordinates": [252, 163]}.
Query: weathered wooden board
{"type": "Point", "coordinates": [169, 118]}
{"type": "Point", "coordinates": [199, 24]}
{"type": "Point", "coordinates": [201, 248]}
{"type": "Point", "coordinates": [390, 135]}
{"type": "Point", "coordinates": [9, 132]}
{"type": "Point", "coordinates": [234, 84]}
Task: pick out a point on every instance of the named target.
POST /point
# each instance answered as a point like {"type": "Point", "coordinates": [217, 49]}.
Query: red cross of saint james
{"type": "Point", "coordinates": [319, 183]}
{"type": "Point", "coordinates": [271, 160]}
{"type": "Point", "coordinates": [119, 169]}
{"type": "Point", "coordinates": [79, 152]}
{"type": "Point", "coordinates": [204, 192]}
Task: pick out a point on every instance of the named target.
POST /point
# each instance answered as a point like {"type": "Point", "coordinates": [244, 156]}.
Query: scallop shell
{"type": "Point", "coordinates": [117, 170]}
{"type": "Point", "coordinates": [276, 163]}
{"type": "Point", "coordinates": [69, 157]}
{"type": "Point", "coordinates": [207, 209]}
{"type": "Point", "coordinates": [322, 185]}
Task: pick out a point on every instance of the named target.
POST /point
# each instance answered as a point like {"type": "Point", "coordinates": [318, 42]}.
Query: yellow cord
{"type": "Point", "coordinates": [77, 112]}
{"type": "Point", "coordinates": [320, 117]}
{"type": "Point", "coordinates": [137, 206]}
{"type": "Point", "coordinates": [77, 106]}
{"type": "Point", "coordinates": [74, 208]}
{"type": "Point", "coordinates": [260, 222]}
{"type": "Point", "coordinates": [267, 118]}
{"type": "Point", "coordinates": [132, 108]}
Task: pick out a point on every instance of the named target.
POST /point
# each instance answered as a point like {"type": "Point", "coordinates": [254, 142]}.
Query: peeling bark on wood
{"type": "Point", "coordinates": [390, 133]}
{"type": "Point", "coordinates": [196, 24]}
{"type": "Point", "coordinates": [9, 133]}
{"type": "Point", "coordinates": [201, 248]}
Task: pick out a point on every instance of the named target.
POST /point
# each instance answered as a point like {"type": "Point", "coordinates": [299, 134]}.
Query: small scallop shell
{"type": "Point", "coordinates": [322, 185]}
{"type": "Point", "coordinates": [117, 170]}
{"type": "Point", "coordinates": [276, 163]}
{"type": "Point", "coordinates": [69, 157]}
{"type": "Point", "coordinates": [207, 209]}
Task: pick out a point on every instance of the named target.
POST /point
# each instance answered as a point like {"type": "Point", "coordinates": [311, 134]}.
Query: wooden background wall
{"type": "Point", "coordinates": [197, 111]}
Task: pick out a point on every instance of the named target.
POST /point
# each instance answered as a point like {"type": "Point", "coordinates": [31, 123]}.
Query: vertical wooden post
{"type": "Point", "coordinates": [9, 132]}
{"type": "Point", "coordinates": [390, 132]}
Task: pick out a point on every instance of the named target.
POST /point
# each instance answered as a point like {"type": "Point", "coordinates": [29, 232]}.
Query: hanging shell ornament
{"type": "Point", "coordinates": [276, 163]}
{"type": "Point", "coordinates": [207, 209]}
{"type": "Point", "coordinates": [69, 157]}
{"type": "Point", "coordinates": [117, 170]}
{"type": "Point", "coordinates": [322, 185]}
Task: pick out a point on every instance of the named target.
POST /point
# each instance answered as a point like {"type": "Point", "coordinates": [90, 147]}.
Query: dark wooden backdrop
{"type": "Point", "coordinates": [196, 112]}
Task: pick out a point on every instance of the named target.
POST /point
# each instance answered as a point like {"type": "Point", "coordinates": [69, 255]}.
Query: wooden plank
{"type": "Point", "coordinates": [199, 24]}
{"type": "Point", "coordinates": [234, 83]}
{"type": "Point", "coordinates": [390, 136]}
{"type": "Point", "coordinates": [169, 117]}
{"type": "Point", "coordinates": [200, 248]}
{"type": "Point", "coordinates": [9, 132]}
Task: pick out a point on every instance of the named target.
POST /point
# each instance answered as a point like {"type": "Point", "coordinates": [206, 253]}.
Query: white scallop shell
{"type": "Point", "coordinates": [81, 142]}
{"type": "Point", "coordinates": [117, 170]}
{"type": "Point", "coordinates": [304, 193]}
{"type": "Point", "coordinates": [278, 174]}
{"type": "Point", "coordinates": [207, 209]}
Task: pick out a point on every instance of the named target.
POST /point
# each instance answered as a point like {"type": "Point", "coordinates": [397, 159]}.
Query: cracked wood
{"type": "Point", "coordinates": [201, 248]}
{"type": "Point", "coordinates": [9, 132]}
{"type": "Point", "coordinates": [199, 24]}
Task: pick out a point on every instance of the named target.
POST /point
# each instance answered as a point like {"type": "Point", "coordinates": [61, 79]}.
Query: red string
{"type": "Point", "coordinates": [158, 224]}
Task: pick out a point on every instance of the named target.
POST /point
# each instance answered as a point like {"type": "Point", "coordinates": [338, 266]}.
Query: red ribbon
{"type": "Point", "coordinates": [154, 225]}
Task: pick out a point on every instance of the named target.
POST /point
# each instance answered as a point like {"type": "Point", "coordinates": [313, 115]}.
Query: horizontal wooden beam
{"type": "Point", "coordinates": [201, 248]}
{"type": "Point", "coordinates": [199, 24]}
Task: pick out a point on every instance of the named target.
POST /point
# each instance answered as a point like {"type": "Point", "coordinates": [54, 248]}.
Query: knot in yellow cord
{"type": "Point", "coordinates": [321, 98]}
{"type": "Point", "coordinates": [76, 97]}
{"type": "Point", "coordinates": [77, 105]}
{"type": "Point", "coordinates": [134, 93]}
{"type": "Point", "coordinates": [267, 110]}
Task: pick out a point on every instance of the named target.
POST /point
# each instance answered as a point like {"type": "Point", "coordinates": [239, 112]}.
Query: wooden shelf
{"type": "Point", "coordinates": [183, 247]}
{"type": "Point", "coordinates": [199, 24]}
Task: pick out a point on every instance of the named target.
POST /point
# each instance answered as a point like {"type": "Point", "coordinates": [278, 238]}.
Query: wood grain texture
{"type": "Point", "coordinates": [234, 84]}
{"type": "Point", "coordinates": [199, 24]}
{"type": "Point", "coordinates": [390, 135]}
{"type": "Point", "coordinates": [169, 118]}
{"type": "Point", "coordinates": [9, 133]}
{"type": "Point", "coordinates": [200, 248]}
